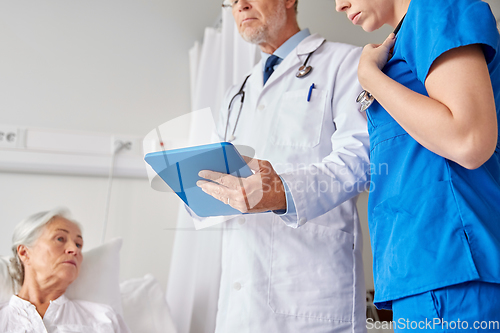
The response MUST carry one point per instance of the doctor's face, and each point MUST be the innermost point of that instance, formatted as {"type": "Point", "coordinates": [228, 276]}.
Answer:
{"type": "Point", "coordinates": [260, 21]}
{"type": "Point", "coordinates": [369, 14]}
{"type": "Point", "coordinates": [57, 253]}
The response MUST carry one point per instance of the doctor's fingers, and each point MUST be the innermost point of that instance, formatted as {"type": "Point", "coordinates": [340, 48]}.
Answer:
{"type": "Point", "coordinates": [257, 165]}
{"type": "Point", "coordinates": [217, 191]}
{"type": "Point", "coordinates": [236, 198]}
{"type": "Point", "coordinates": [252, 163]}
{"type": "Point", "coordinates": [224, 179]}
{"type": "Point", "coordinates": [244, 186]}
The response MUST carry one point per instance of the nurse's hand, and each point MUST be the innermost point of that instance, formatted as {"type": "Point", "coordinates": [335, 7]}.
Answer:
{"type": "Point", "coordinates": [260, 192]}
{"type": "Point", "coordinates": [373, 58]}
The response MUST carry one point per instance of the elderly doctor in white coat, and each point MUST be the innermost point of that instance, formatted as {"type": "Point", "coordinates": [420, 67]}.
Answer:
{"type": "Point", "coordinates": [299, 267]}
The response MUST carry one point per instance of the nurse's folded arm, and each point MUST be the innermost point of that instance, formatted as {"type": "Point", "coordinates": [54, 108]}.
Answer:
{"type": "Point", "coordinates": [457, 120]}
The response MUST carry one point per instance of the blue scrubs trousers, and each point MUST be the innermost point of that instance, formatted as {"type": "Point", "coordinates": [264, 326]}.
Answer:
{"type": "Point", "coordinates": [467, 307]}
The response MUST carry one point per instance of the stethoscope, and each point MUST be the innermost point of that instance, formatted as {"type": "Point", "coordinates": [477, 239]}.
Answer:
{"type": "Point", "coordinates": [365, 98]}
{"type": "Point", "coordinates": [303, 71]}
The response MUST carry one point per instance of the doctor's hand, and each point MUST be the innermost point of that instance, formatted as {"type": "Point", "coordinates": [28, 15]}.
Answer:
{"type": "Point", "coordinates": [373, 58]}
{"type": "Point", "coordinates": [260, 192]}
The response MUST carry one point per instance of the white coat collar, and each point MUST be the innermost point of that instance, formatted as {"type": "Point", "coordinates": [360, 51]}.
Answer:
{"type": "Point", "coordinates": [308, 45]}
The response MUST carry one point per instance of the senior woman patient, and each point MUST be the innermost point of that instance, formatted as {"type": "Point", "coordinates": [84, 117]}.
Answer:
{"type": "Point", "coordinates": [47, 257]}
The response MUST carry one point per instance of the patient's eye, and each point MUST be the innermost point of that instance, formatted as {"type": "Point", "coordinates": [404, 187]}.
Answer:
{"type": "Point", "coordinates": [60, 239]}
{"type": "Point", "coordinates": [78, 245]}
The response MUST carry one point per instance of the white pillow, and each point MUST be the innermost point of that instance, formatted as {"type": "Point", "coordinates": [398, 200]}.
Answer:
{"type": "Point", "coordinates": [98, 281]}
{"type": "Point", "coordinates": [6, 282]}
{"type": "Point", "coordinates": [99, 278]}
{"type": "Point", "coordinates": [145, 308]}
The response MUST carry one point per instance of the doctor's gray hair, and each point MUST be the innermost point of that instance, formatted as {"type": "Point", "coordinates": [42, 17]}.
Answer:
{"type": "Point", "coordinates": [27, 233]}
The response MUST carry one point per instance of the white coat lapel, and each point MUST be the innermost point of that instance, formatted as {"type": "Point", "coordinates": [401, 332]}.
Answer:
{"type": "Point", "coordinates": [258, 76]}
{"type": "Point", "coordinates": [295, 58]}
{"type": "Point", "coordinates": [291, 61]}
{"type": "Point", "coordinates": [309, 44]}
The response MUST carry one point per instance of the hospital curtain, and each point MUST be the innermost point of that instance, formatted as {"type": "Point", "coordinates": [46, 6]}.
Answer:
{"type": "Point", "coordinates": [222, 60]}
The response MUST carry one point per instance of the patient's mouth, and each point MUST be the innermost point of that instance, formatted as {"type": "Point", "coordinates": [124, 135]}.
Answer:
{"type": "Point", "coordinates": [71, 262]}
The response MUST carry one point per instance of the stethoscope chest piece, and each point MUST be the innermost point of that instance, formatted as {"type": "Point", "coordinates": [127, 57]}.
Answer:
{"type": "Point", "coordinates": [303, 71]}
{"type": "Point", "coordinates": [365, 99]}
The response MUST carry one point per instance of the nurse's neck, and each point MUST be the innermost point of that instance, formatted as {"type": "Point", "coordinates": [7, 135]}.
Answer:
{"type": "Point", "coordinates": [400, 9]}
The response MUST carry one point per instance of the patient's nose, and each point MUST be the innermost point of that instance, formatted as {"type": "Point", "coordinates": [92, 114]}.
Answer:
{"type": "Point", "coordinates": [72, 248]}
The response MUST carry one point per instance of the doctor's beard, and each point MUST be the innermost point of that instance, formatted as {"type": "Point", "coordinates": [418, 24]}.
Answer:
{"type": "Point", "coordinates": [264, 33]}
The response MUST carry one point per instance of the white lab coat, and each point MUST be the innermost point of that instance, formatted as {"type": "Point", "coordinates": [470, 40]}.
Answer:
{"type": "Point", "coordinates": [279, 278]}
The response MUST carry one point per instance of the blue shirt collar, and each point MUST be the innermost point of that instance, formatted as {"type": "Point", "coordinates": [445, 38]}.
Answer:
{"type": "Point", "coordinates": [284, 50]}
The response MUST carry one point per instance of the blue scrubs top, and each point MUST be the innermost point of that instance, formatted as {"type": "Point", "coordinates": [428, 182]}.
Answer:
{"type": "Point", "coordinates": [432, 222]}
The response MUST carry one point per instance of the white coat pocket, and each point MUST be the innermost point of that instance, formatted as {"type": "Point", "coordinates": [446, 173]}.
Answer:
{"type": "Point", "coordinates": [305, 282]}
{"type": "Point", "coordinates": [298, 122]}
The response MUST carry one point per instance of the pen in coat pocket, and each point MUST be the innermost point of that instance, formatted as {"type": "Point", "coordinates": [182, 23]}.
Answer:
{"type": "Point", "coordinates": [310, 92]}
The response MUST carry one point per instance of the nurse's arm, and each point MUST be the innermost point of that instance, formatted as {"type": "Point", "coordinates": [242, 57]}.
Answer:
{"type": "Point", "coordinates": [458, 119]}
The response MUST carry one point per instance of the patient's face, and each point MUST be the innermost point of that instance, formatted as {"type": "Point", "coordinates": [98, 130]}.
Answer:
{"type": "Point", "coordinates": [57, 254]}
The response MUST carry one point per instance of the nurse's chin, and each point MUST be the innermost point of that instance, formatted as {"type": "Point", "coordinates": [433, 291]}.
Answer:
{"type": "Point", "coordinates": [366, 26]}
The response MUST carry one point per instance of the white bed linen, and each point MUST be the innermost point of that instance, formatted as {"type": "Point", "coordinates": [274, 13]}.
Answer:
{"type": "Point", "coordinates": [145, 308]}
{"type": "Point", "coordinates": [62, 316]}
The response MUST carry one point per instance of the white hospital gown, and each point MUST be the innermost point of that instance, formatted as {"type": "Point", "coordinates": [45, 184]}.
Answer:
{"type": "Point", "coordinates": [62, 316]}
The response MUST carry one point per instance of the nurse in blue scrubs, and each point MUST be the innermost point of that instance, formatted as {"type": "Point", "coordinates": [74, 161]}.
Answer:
{"type": "Point", "coordinates": [434, 207]}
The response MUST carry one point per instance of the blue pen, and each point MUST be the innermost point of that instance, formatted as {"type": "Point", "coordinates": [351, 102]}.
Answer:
{"type": "Point", "coordinates": [310, 92]}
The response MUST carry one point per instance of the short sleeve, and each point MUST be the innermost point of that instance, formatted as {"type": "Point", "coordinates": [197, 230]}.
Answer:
{"type": "Point", "coordinates": [432, 28]}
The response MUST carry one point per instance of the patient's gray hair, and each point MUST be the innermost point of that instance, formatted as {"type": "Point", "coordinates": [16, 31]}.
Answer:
{"type": "Point", "coordinates": [27, 232]}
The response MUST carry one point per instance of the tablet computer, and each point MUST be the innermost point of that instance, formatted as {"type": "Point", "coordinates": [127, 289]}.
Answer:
{"type": "Point", "coordinates": [179, 168]}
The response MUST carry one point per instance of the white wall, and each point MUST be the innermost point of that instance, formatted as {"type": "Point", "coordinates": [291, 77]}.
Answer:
{"type": "Point", "coordinates": [120, 67]}
{"type": "Point", "coordinates": [109, 66]}
{"type": "Point", "coordinates": [138, 214]}
{"type": "Point", "coordinates": [112, 66]}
